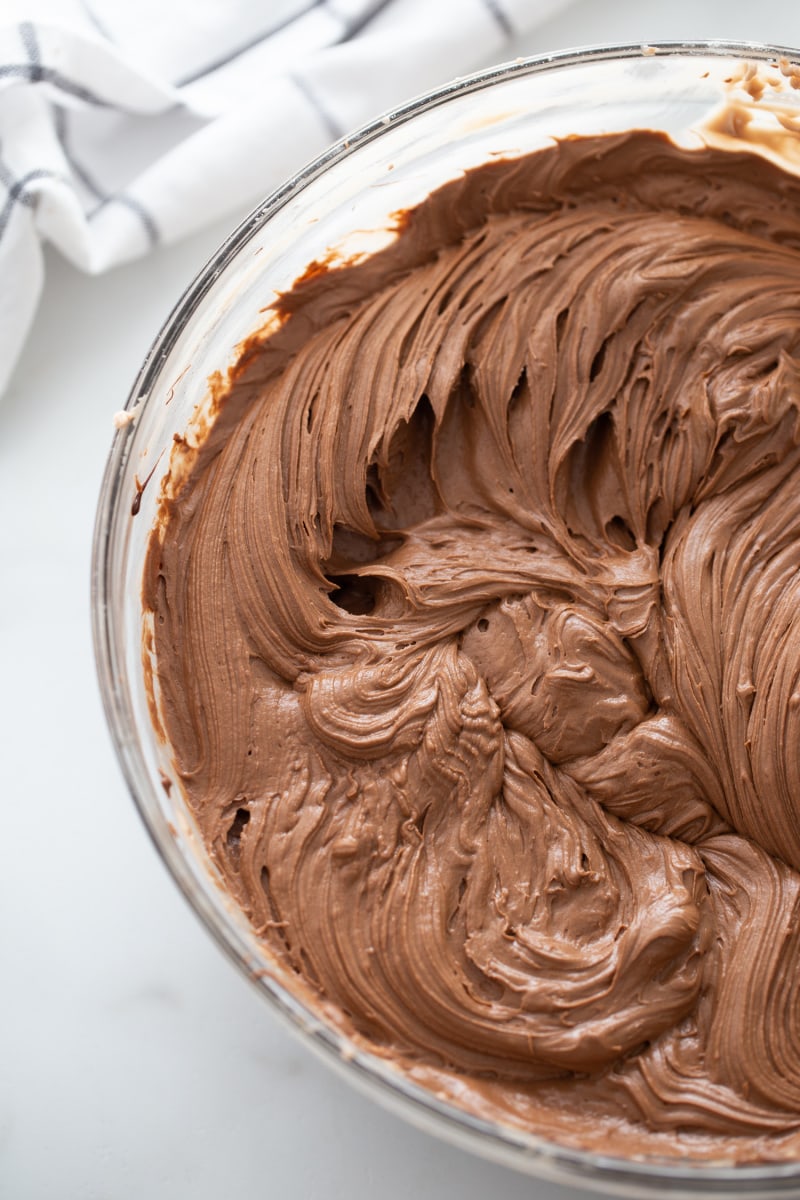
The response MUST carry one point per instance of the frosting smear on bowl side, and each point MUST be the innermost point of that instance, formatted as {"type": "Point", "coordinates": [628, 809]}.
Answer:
{"type": "Point", "coordinates": [477, 640]}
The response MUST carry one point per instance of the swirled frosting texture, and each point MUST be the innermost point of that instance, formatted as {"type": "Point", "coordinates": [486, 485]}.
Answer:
{"type": "Point", "coordinates": [477, 624]}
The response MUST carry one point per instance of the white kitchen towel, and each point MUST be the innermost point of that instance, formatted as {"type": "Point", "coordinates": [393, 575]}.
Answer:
{"type": "Point", "coordinates": [127, 125]}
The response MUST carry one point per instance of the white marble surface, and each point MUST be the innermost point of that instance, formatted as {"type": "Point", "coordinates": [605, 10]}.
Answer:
{"type": "Point", "coordinates": [134, 1060]}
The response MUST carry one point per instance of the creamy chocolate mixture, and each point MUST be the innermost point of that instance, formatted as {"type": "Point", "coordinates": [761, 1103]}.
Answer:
{"type": "Point", "coordinates": [477, 626]}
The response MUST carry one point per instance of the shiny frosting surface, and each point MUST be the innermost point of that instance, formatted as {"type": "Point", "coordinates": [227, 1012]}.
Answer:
{"type": "Point", "coordinates": [477, 632]}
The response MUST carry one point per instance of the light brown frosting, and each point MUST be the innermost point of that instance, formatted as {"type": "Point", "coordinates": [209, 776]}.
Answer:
{"type": "Point", "coordinates": [477, 625]}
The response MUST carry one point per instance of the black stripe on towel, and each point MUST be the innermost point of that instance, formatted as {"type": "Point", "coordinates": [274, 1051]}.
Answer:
{"type": "Point", "coordinates": [325, 116]}
{"type": "Point", "coordinates": [500, 16]}
{"type": "Point", "coordinates": [18, 193]}
{"type": "Point", "coordinates": [355, 26]}
{"type": "Point", "coordinates": [130, 202]}
{"type": "Point", "coordinates": [217, 63]}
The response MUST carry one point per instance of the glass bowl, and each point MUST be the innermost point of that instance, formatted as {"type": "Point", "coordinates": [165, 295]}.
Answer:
{"type": "Point", "coordinates": [340, 205]}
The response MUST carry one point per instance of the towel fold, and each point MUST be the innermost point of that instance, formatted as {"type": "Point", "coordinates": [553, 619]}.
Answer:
{"type": "Point", "coordinates": [123, 127]}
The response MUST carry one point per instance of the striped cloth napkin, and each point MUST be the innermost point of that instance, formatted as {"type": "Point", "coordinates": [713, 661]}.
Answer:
{"type": "Point", "coordinates": [128, 125]}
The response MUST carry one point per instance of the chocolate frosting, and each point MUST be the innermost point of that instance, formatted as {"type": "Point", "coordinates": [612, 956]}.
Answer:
{"type": "Point", "coordinates": [477, 633]}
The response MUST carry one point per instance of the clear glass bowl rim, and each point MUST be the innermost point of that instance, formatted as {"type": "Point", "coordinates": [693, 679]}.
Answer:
{"type": "Point", "coordinates": [498, 1142]}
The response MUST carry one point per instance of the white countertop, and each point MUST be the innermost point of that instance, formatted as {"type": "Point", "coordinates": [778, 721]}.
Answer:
{"type": "Point", "coordinates": [134, 1060]}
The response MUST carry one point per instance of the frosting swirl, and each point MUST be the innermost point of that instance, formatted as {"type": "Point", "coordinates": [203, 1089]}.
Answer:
{"type": "Point", "coordinates": [477, 625]}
